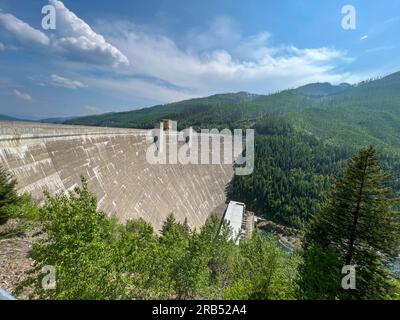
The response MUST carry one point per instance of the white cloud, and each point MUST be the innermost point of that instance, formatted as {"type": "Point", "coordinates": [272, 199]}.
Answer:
{"type": "Point", "coordinates": [22, 32]}
{"type": "Point", "coordinates": [365, 37]}
{"type": "Point", "coordinates": [76, 40]}
{"type": "Point", "coordinates": [250, 63]}
{"type": "Point", "coordinates": [2, 47]}
{"type": "Point", "coordinates": [160, 69]}
{"type": "Point", "coordinates": [73, 38]}
{"type": "Point", "coordinates": [222, 32]}
{"type": "Point", "coordinates": [65, 82]}
{"type": "Point", "coordinates": [22, 95]}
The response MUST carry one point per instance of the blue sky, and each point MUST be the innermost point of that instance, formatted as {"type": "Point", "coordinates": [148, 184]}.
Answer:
{"type": "Point", "coordinates": [120, 55]}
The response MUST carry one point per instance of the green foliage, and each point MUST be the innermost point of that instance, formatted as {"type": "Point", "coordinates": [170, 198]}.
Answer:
{"type": "Point", "coordinates": [200, 272]}
{"type": "Point", "coordinates": [200, 113]}
{"type": "Point", "coordinates": [356, 226]}
{"type": "Point", "coordinates": [292, 174]}
{"type": "Point", "coordinates": [320, 273]}
{"type": "Point", "coordinates": [14, 206]}
{"type": "Point", "coordinates": [96, 258]}
{"type": "Point", "coordinates": [396, 285]}
{"type": "Point", "coordinates": [263, 271]}
{"type": "Point", "coordinates": [8, 195]}
{"type": "Point", "coordinates": [82, 245]}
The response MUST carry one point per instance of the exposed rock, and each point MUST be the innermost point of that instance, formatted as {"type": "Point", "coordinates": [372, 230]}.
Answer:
{"type": "Point", "coordinates": [14, 259]}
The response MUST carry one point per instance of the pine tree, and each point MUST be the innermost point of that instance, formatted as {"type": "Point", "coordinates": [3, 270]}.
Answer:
{"type": "Point", "coordinates": [8, 193]}
{"type": "Point", "coordinates": [357, 226]}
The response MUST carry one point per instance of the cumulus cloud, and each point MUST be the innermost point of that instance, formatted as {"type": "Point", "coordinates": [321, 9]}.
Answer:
{"type": "Point", "coordinates": [230, 61]}
{"type": "Point", "coordinates": [22, 32]}
{"type": "Point", "coordinates": [160, 68]}
{"type": "Point", "coordinates": [22, 95]}
{"type": "Point", "coordinates": [65, 82]}
{"type": "Point", "coordinates": [73, 38]}
{"type": "Point", "coordinates": [76, 40]}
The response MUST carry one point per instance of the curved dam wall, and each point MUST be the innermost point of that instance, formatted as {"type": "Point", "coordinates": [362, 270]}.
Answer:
{"type": "Point", "coordinates": [53, 157]}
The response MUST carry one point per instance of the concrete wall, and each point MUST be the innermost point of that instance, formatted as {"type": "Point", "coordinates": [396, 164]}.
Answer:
{"type": "Point", "coordinates": [53, 157]}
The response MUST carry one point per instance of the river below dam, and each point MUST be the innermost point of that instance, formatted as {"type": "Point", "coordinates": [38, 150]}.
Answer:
{"type": "Point", "coordinates": [285, 248]}
{"type": "Point", "coordinates": [393, 266]}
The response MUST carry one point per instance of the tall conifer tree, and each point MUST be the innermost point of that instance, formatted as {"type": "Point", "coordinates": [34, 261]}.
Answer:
{"type": "Point", "coordinates": [357, 226]}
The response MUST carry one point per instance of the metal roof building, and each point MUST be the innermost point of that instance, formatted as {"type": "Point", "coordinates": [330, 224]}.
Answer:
{"type": "Point", "coordinates": [234, 214]}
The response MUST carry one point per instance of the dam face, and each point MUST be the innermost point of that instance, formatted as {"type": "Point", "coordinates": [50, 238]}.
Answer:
{"type": "Point", "coordinates": [53, 157]}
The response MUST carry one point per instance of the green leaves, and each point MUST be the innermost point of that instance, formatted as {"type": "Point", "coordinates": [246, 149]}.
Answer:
{"type": "Point", "coordinates": [8, 194]}
{"type": "Point", "coordinates": [95, 257]}
{"type": "Point", "coordinates": [81, 244]}
{"type": "Point", "coordinates": [263, 271]}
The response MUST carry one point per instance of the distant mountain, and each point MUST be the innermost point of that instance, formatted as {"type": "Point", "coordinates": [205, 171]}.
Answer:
{"type": "Point", "coordinates": [58, 120]}
{"type": "Point", "coordinates": [189, 112]}
{"type": "Point", "coordinates": [366, 113]}
{"type": "Point", "coordinates": [322, 89]}
{"type": "Point", "coordinates": [7, 118]}
{"type": "Point", "coordinates": [217, 110]}
{"type": "Point", "coordinates": [12, 117]}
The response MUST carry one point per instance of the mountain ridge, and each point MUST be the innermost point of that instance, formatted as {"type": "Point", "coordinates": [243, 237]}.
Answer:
{"type": "Point", "coordinates": [347, 114]}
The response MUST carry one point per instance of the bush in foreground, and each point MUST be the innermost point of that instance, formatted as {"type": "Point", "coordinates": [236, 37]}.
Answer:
{"type": "Point", "coordinates": [94, 257]}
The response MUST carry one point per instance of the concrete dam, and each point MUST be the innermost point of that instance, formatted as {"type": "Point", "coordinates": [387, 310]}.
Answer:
{"type": "Point", "coordinates": [113, 160]}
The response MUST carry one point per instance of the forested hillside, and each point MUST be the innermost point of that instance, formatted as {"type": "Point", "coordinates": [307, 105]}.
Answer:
{"type": "Point", "coordinates": [354, 114]}
{"type": "Point", "coordinates": [214, 110]}
{"type": "Point", "coordinates": [292, 174]}
{"type": "Point", "coordinates": [294, 171]}
{"type": "Point", "coordinates": [304, 137]}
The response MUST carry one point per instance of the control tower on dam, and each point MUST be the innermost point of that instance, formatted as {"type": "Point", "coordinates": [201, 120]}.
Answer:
{"type": "Point", "coordinates": [113, 160]}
